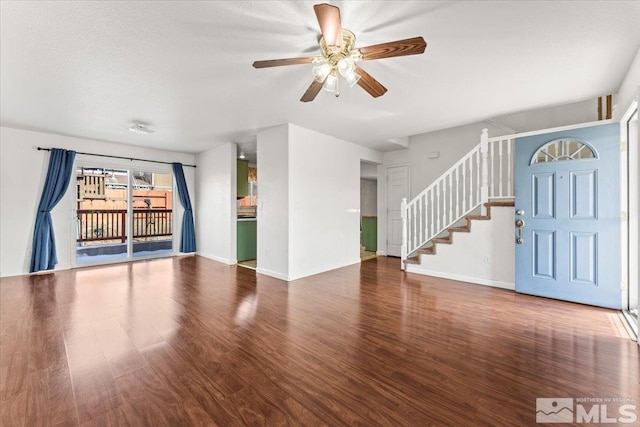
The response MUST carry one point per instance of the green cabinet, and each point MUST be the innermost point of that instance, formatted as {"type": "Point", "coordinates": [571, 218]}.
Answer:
{"type": "Point", "coordinates": [243, 178]}
{"type": "Point", "coordinates": [369, 237]}
{"type": "Point", "coordinates": [247, 233]}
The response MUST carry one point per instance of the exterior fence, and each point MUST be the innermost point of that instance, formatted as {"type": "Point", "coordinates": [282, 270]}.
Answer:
{"type": "Point", "coordinates": [111, 224]}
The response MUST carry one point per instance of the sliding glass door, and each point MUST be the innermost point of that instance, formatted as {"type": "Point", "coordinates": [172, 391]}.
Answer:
{"type": "Point", "coordinates": [122, 214]}
{"type": "Point", "coordinates": [152, 214]}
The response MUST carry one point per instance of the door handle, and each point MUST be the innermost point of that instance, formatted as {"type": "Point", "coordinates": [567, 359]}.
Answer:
{"type": "Point", "coordinates": [520, 225]}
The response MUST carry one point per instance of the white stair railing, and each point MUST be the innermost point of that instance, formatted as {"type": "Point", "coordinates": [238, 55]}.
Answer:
{"type": "Point", "coordinates": [485, 172]}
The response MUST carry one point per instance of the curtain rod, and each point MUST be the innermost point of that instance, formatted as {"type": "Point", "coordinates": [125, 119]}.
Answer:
{"type": "Point", "coordinates": [118, 157]}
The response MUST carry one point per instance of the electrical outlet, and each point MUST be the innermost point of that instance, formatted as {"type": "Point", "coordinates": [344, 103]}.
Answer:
{"type": "Point", "coordinates": [487, 259]}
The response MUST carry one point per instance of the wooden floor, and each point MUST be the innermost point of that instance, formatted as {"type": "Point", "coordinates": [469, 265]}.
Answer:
{"type": "Point", "coordinates": [188, 341]}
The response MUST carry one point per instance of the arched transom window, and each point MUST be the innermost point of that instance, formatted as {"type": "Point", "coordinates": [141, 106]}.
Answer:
{"type": "Point", "coordinates": [563, 149]}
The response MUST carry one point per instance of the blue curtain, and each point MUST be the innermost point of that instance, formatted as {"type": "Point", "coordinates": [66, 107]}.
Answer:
{"type": "Point", "coordinates": [43, 249]}
{"type": "Point", "coordinates": [188, 238]}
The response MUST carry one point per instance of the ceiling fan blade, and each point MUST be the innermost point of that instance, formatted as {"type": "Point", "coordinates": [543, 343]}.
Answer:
{"type": "Point", "coordinates": [404, 47]}
{"type": "Point", "coordinates": [370, 84]}
{"type": "Point", "coordinates": [312, 91]}
{"type": "Point", "coordinates": [281, 62]}
{"type": "Point", "coordinates": [330, 24]}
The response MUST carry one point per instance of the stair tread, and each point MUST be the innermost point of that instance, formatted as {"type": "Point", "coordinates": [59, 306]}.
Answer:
{"type": "Point", "coordinates": [443, 240]}
{"type": "Point", "coordinates": [479, 217]}
{"type": "Point", "coordinates": [448, 240]}
{"type": "Point", "coordinates": [510, 203]}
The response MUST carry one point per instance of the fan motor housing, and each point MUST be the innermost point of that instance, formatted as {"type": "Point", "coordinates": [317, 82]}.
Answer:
{"type": "Point", "coordinates": [348, 42]}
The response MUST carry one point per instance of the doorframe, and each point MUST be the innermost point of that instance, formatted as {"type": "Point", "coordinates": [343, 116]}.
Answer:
{"type": "Point", "coordinates": [383, 210]}
{"type": "Point", "coordinates": [176, 227]}
{"type": "Point", "coordinates": [378, 166]}
{"type": "Point", "coordinates": [629, 168]}
{"type": "Point", "coordinates": [624, 189]}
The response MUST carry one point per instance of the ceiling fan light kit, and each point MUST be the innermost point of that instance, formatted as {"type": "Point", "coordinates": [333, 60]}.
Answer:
{"type": "Point", "coordinates": [339, 57]}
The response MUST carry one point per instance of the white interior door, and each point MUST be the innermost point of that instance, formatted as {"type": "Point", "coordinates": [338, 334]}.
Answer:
{"type": "Point", "coordinates": [397, 189]}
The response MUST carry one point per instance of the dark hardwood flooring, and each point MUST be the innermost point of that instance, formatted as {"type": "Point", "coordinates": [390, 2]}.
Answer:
{"type": "Point", "coordinates": [188, 341]}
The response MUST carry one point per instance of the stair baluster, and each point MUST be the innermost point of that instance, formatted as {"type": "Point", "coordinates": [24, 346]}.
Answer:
{"type": "Point", "coordinates": [467, 185]}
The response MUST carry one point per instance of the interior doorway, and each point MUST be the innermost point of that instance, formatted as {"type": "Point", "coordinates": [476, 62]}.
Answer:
{"type": "Point", "coordinates": [368, 210]}
{"type": "Point", "coordinates": [247, 204]}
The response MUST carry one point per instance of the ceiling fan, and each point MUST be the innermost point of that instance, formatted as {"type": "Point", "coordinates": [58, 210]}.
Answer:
{"type": "Point", "coordinates": [339, 57]}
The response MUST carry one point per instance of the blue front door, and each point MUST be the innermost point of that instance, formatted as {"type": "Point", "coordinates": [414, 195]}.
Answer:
{"type": "Point", "coordinates": [567, 195]}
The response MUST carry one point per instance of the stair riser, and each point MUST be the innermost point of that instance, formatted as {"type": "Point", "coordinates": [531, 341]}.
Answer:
{"type": "Point", "coordinates": [463, 229]}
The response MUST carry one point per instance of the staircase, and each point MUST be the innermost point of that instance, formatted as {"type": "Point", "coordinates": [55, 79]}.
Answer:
{"type": "Point", "coordinates": [448, 238]}
{"type": "Point", "coordinates": [479, 180]}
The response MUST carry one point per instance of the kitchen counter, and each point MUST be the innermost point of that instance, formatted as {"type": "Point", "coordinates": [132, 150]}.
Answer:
{"type": "Point", "coordinates": [247, 219]}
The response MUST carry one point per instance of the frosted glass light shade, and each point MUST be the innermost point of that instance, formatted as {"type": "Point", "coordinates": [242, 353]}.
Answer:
{"type": "Point", "coordinates": [320, 72]}
{"type": "Point", "coordinates": [345, 66]}
{"type": "Point", "coordinates": [352, 78]}
{"type": "Point", "coordinates": [330, 83]}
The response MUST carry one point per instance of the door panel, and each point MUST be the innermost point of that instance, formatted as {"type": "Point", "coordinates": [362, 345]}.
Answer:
{"type": "Point", "coordinates": [101, 215]}
{"type": "Point", "coordinates": [584, 190]}
{"type": "Point", "coordinates": [570, 248]}
{"type": "Point", "coordinates": [543, 195]}
{"type": "Point", "coordinates": [583, 257]}
{"type": "Point", "coordinates": [543, 254]}
{"type": "Point", "coordinates": [397, 189]}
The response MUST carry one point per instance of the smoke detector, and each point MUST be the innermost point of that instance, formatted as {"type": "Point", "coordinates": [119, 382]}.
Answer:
{"type": "Point", "coordinates": [140, 127]}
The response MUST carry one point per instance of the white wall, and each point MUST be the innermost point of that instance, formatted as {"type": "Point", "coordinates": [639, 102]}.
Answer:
{"type": "Point", "coordinates": [628, 91]}
{"type": "Point", "coordinates": [216, 193]}
{"type": "Point", "coordinates": [22, 173]}
{"type": "Point", "coordinates": [309, 206]}
{"type": "Point", "coordinates": [368, 197]}
{"type": "Point", "coordinates": [324, 213]}
{"type": "Point", "coordinates": [485, 256]}
{"type": "Point", "coordinates": [273, 202]}
{"type": "Point", "coordinates": [368, 170]}
{"type": "Point", "coordinates": [450, 144]}
{"type": "Point", "coordinates": [551, 117]}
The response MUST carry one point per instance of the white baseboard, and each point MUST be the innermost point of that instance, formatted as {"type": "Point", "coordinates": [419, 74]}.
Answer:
{"type": "Point", "coordinates": [273, 274]}
{"type": "Point", "coordinates": [477, 280]}
{"type": "Point", "coordinates": [216, 258]}
{"type": "Point", "coordinates": [290, 278]}
{"type": "Point", "coordinates": [381, 253]}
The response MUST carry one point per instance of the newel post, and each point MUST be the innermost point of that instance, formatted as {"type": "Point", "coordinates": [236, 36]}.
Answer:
{"type": "Point", "coordinates": [403, 249]}
{"type": "Point", "coordinates": [484, 168]}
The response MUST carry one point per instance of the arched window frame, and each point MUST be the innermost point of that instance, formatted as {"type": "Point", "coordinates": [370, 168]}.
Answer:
{"type": "Point", "coordinates": [585, 145]}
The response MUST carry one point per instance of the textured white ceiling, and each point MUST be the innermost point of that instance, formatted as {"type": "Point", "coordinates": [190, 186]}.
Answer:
{"type": "Point", "coordinates": [89, 68]}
